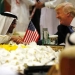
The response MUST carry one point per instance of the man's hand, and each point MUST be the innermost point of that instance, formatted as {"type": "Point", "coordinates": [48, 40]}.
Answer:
{"type": "Point", "coordinates": [39, 5]}
{"type": "Point", "coordinates": [18, 39]}
{"type": "Point", "coordinates": [17, 1]}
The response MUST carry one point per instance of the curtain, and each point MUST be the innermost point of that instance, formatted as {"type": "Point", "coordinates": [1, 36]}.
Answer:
{"type": "Point", "coordinates": [1, 6]}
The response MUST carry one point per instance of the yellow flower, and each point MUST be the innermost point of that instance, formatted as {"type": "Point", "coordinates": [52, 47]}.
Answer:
{"type": "Point", "coordinates": [23, 46]}
{"type": "Point", "coordinates": [9, 47]}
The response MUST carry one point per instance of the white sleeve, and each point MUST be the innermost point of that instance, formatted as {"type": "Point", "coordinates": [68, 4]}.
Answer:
{"type": "Point", "coordinates": [53, 3]}
{"type": "Point", "coordinates": [30, 2]}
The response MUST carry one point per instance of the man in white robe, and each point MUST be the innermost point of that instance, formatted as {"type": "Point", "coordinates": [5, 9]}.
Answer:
{"type": "Point", "coordinates": [21, 9]}
{"type": "Point", "coordinates": [7, 24]}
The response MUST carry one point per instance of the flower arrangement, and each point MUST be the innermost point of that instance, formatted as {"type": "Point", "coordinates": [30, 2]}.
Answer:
{"type": "Point", "coordinates": [9, 47]}
{"type": "Point", "coordinates": [20, 56]}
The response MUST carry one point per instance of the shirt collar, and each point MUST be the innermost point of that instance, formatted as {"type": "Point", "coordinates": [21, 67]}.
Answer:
{"type": "Point", "coordinates": [73, 22]}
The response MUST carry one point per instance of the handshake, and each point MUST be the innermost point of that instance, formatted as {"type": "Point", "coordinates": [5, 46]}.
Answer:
{"type": "Point", "coordinates": [39, 5]}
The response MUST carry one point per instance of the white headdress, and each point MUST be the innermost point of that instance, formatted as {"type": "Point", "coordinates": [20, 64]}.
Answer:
{"type": "Point", "coordinates": [6, 19]}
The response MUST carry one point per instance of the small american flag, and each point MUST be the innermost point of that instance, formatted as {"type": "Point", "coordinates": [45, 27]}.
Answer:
{"type": "Point", "coordinates": [31, 34]}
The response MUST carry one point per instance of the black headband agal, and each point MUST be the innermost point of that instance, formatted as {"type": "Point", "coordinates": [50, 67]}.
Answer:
{"type": "Point", "coordinates": [9, 14]}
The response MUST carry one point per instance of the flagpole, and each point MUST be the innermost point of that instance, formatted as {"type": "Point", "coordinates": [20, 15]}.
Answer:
{"type": "Point", "coordinates": [32, 14]}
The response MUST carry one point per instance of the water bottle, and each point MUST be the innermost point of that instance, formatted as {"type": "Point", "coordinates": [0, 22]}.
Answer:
{"type": "Point", "coordinates": [45, 36]}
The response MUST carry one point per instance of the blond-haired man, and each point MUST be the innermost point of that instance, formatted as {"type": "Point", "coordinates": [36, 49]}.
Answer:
{"type": "Point", "coordinates": [66, 15]}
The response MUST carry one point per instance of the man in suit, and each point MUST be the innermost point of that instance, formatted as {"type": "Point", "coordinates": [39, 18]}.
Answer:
{"type": "Point", "coordinates": [62, 32]}
{"type": "Point", "coordinates": [65, 12]}
{"type": "Point", "coordinates": [66, 15]}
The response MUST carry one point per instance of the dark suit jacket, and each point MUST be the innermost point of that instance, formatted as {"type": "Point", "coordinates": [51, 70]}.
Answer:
{"type": "Point", "coordinates": [62, 32]}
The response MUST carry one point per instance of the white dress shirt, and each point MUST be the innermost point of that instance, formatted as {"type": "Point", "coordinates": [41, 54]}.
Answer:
{"type": "Point", "coordinates": [73, 22]}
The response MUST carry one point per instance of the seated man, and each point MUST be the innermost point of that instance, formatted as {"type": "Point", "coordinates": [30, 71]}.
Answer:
{"type": "Point", "coordinates": [7, 24]}
{"type": "Point", "coordinates": [66, 15]}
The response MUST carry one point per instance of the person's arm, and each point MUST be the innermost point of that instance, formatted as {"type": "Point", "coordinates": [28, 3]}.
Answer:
{"type": "Point", "coordinates": [53, 4]}
{"type": "Point", "coordinates": [49, 4]}
{"type": "Point", "coordinates": [17, 39]}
